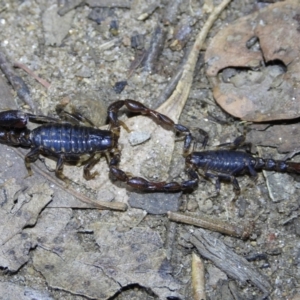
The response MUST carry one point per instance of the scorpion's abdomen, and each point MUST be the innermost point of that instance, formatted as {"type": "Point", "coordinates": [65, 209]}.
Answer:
{"type": "Point", "coordinates": [71, 139]}
{"type": "Point", "coordinates": [222, 161]}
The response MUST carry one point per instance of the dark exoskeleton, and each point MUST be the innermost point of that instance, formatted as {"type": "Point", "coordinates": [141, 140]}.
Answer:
{"type": "Point", "coordinates": [81, 145]}
{"type": "Point", "coordinates": [227, 164]}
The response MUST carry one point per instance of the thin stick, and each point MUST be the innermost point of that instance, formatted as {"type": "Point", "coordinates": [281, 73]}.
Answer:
{"type": "Point", "coordinates": [198, 278]}
{"type": "Point", "coordinates": [16, 81]}
{"type": "Point", "coordinates": [212, 224]}
{"type": "Point", "coordinates": [100, 204]}
{"type": "Point", "coordinates": [175, 103]}
{"type": "Point", "coordinates": [42, 81]}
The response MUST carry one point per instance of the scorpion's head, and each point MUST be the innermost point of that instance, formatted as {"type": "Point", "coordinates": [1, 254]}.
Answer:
{"type": "Point", "coordinates": [196, 159]}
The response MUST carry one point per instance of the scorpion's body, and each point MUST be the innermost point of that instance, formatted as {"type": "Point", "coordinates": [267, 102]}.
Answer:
{"type": "Point", "coordinates": [228, 164]}
{"type": "Point", "coordinates": [83, 145]}
{"type": "Point", "coordinates": [65, 142]}
{"type": "Point", "coordinates": [74, 142]}
{"type": "Point", "coordinates": [79, 144]}
{"type": "Point", "coordinates": [234, 162]}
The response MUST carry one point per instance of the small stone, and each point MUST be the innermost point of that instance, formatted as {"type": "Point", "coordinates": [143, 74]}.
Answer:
{"type": "Point", "coordinates": [84, 72]}
{"type": "Point", "coordinates": [207, 206]}
{"type": "Point", "coordinates": [56, 27]}
{"type": "Point", "coordinates": [137, 137]}
{"type": "Point", "coordinates": [119, 86]}
{"type": "Point", "coordinates": [155, 203]}
{"type": "Point", "coordinates": [105, 195]}
{"type": "Point", "coordinates": [215, 275]}
{"type": "Point", "coordinates": [192, 205]}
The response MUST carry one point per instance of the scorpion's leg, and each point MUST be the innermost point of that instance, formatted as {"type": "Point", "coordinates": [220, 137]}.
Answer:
{"type": "Point", "coordinates": [90, 164]}
{"type": "Point", "coordinates": [239, 142]}
{"type": "Point", "coordinates": [31, 157]}
{"type": "Point", "coordinates": [74, 118]}
{"type": "Point", "coordinates": [205, 134]}
{"type": "Point", "coordinates": [224, 177]}
{"type": "Point", "coordinates": [192, 182]}
{"type": "Point", "coordinates": [59, 169]}
{"type": "Point", "coordinates": [41, 119]}
{"type": "Point", "coordinates": [252, 172]}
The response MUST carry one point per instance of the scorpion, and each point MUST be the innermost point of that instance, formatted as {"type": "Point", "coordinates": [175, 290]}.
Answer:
{"type": "Point", "coordinates": [82, 145]}
{"type": "Point", "coordinates": [227, 164]}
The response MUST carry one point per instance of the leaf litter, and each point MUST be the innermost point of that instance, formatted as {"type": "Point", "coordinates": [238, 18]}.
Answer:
{"type": "Point", "coordinates": [59, 255]}
{"type": "Point", "coordinates": [253, 66]}
{"type": "Point", "coordinates": [262, 88]}
{"type": "Point", "coordinates": [136, 256]}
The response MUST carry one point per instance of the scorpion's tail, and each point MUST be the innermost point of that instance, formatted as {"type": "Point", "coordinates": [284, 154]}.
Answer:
{"type": "Point", "coordinates": [293, 167]}
{"type": "Point", "coordinates": [277, 165]}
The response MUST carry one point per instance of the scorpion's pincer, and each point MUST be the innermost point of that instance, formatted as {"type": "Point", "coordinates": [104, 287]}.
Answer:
{"type": "Point", "coordinates": [13, 119]}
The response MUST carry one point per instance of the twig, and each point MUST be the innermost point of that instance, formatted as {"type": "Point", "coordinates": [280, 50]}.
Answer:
{"type": "Point", "coordinates": [228, 261]}
{"type": "Point", "coordinates": [155, 49]}
{"type": "Point", "coordinates": [168, 90]}
{"type": "Point", "coordinates": [136, 63]}
{"type": "Point", "coordinates": [174, 104]}
{"type": "Point", "coordinates": [42, 81]}
{"type": "Point", "coordinates": [198, 278]}
{"type": "Point", "coordinates": [212, 224]}
{"type": "Point", "coordinates": [68, 6]}
{"type": "Point", "coordinates": [99, 204]}
{"type": "Point", "coordinates": [170, 238]}
{"type": "Point", "coordinates": [16, 81]}
{"type": "Point", "coordinates": [171, 12]}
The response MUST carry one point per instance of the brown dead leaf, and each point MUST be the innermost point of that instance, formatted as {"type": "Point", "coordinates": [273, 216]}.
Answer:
{"type": "Point", "coordinates": [254, 64]}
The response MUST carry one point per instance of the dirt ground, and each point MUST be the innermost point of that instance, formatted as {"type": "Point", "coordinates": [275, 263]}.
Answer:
{"type": "Point", "coordinates": [53, 246]}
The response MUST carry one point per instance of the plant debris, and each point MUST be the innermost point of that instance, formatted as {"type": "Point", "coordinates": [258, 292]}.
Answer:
{"type": "Point", "coordinates": [262, 50]}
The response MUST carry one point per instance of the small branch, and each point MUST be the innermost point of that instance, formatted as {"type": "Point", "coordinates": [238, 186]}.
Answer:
{"type": "Point", "coordinates": [228, 261]}
{"type": "Point", "coordinates": [198, 278]}
{"type": "Point", "coordinates": [16, 81]}
{"type": "Point", "coordinates": [43, 82]}
{"type": "Point", "coordinates": [174, 104]}
{"type": "Point", "coordinates": [212, 224]}
{"type": "Point", "coordinates": [99, 204]}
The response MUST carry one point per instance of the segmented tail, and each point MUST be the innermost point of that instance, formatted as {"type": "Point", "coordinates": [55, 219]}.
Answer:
{"type": "Point", "coordinates": [293, 167]}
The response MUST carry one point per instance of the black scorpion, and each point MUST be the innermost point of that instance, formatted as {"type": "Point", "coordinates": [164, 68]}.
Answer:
{"type": "Point", "coordinates": [226, 165]}
{"type": "Point", "coordinates": [81, 145]}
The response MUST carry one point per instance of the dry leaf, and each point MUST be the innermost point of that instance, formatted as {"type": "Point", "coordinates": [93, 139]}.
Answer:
{"type": "Point", "coordinates": [254, 65]}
